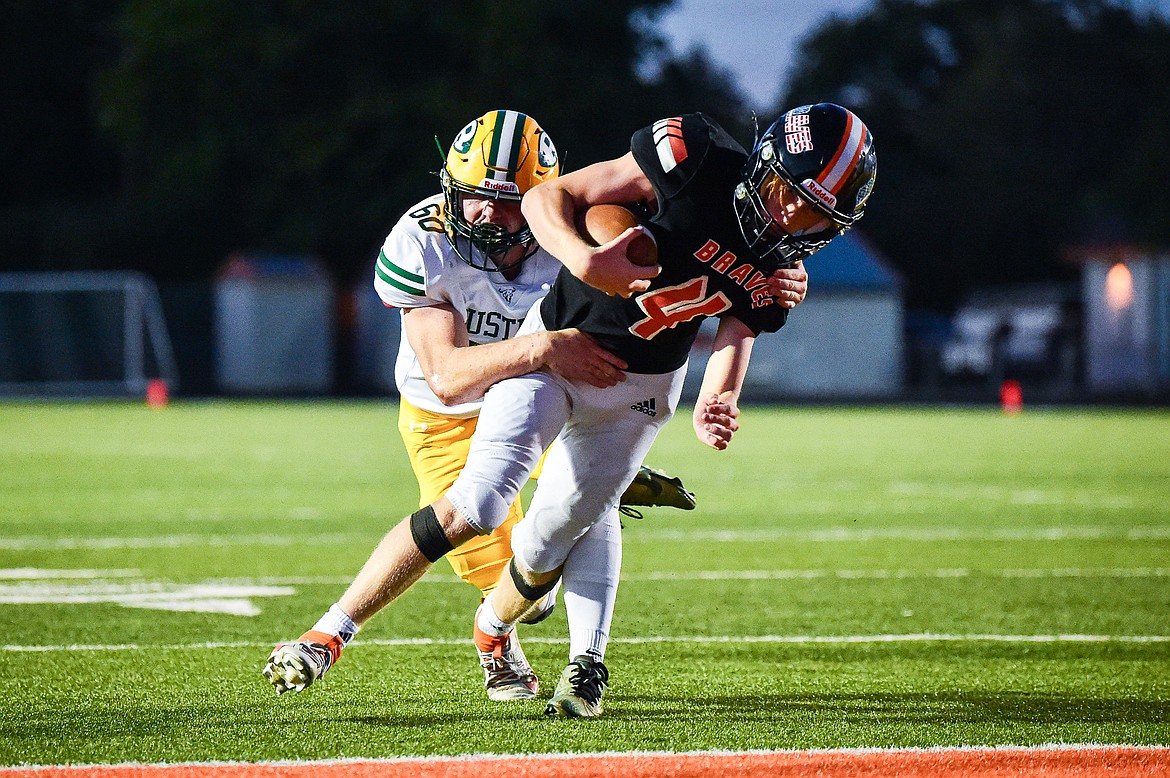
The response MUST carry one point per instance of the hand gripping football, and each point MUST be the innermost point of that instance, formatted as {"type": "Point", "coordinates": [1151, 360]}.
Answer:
{"type": "Point", "coordinates": [602, 223]}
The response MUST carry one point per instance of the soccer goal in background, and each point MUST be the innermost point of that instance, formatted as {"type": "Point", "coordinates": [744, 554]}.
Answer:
{"type": "Point", "coordinates": [83, 334]}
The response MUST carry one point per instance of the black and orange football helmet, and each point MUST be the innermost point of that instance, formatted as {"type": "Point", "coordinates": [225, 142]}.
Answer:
{"type": "Point", "coordinates": [825, 155]}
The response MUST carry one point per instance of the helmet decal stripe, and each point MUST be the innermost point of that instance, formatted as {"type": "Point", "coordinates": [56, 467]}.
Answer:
{"type": "Point", "coordinates": [505, 141]}
{"type": "Point", "coordinates": [845, 159]}
{"type": "Point", "coordinates": [668, 142]}
{"type": "Point", "coordinates": [500, 141]}
{"type": "Point", "coordinates": [517, 148]}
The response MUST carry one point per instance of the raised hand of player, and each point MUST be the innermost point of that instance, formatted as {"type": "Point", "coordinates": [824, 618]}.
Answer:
{"type": "Point", "coordinates": [576, 356]}
{"type": "Point", "coordinates": [789, 285]}
{"type": "Point", "coordinates": [715, 419]}
{"type": "Point", "coordinates": [610, 270]}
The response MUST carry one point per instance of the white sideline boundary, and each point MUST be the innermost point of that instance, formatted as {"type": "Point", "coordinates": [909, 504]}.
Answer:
{"type": "Point", "coordinates": [922, 637]}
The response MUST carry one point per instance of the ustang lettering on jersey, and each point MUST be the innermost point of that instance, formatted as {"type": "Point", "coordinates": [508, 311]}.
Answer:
{"type": "Point", "coordinates": [745, 273]}
{"type": "Point", "coordinates": [490, 325]}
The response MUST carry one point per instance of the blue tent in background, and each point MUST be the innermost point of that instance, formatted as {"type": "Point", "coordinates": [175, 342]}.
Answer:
{"type": "Point", "coordinates": [849, 262]}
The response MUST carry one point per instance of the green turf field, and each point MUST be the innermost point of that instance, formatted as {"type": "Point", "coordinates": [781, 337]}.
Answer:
{"type": "Point", "coordinates": [851, 578]}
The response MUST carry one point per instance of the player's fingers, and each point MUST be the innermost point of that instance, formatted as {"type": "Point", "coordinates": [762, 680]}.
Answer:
{"type": "Point", "coordinates": [598, 364]}
{"type": "Point", "coordinates": [728, 399]}
{"type": "Point", "coordinates": [595, 373]}
{"type": "Point", "coordinates": [716, 442]}
{"type": "Point", "coordinates": [787, 298]}
{"type": "Point", "coordinates": [793, 272]}
{"type": "Point", "coordinates": [610, 358]}
{"type": "Point", "coordinates": [788, 288]}
{"type": "Point", "coordinates": [718, 412]}
{"type": "Point", "coordinates": [717, 430]}
{"type": "Point", "coordinates": [716, 418]}
{"type": "Point", "coordinates": [601, 380]}
{"type": "Point", "coordinates": [608, 373]}
{"type": "Point", "coordinates": [712, 400]}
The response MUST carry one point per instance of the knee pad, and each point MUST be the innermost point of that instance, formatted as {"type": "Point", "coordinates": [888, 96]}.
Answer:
{"type": "Point", "coordinates": [428, 534]}
{"type": "Point", "coordinates": [527, 590]}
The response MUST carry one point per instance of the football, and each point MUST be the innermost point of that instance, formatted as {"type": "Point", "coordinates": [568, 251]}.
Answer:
{"type": "Point", "coordinates": [602, 223]}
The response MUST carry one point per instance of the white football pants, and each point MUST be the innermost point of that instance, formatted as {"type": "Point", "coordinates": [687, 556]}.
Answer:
{"type": "Point", "coordinates": [602, 436]}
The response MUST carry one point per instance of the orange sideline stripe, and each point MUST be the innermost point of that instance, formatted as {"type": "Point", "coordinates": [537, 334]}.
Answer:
{"type": "Point", "coordinates": [1047, 762]}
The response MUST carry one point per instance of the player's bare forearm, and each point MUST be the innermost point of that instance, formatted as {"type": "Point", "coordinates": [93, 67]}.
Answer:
{"type": "Point", "coordinates": [716, 414]}
{"type": "Point", "coordinates": [551, 210]}
{"type": "Point", "coordinates": [458, 372]}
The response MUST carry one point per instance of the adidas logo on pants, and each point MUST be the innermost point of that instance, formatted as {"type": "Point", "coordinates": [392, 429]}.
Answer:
{"type": "Point", "coordinates": [646, 407]}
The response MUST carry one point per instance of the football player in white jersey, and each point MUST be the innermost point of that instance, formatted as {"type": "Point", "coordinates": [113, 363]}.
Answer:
{"type": "Point", "coordinates": [464, 269]}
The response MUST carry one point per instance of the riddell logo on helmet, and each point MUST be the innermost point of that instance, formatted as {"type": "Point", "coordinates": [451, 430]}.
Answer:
{"type": "Point", "coordinates": [819, 192]}
{"type": "Point", "coordinates": [499, 186]}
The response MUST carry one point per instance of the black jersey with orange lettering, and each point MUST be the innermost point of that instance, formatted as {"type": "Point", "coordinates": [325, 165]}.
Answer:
{"type": "Point", "coordinates": [707, 268]}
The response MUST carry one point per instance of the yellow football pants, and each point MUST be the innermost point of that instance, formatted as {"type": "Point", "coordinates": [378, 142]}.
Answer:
{"type": "Point", "coordinates": [437, 446]}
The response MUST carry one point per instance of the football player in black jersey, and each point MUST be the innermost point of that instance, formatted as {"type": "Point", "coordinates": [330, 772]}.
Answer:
{"type": "Point", "coordinates": [723, 220]}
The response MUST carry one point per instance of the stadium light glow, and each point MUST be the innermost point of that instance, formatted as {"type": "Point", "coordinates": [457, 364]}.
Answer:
{"type": "Point", "coordinates": [1119, 288]}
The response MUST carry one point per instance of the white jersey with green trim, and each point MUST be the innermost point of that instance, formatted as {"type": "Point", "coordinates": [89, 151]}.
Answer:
{"type": "Point", "coordinates": [417, 267]}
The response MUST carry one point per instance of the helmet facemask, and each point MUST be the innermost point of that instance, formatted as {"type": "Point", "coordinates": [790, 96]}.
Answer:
{"type": "Point", "coordinates": [765, 235]}
{"type": "Point", "coordinates": [483, 246]}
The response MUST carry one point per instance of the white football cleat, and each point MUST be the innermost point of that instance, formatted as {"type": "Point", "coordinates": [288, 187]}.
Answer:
{"type": "Point", "coordinates": [507, 674]}
{"type": "Point", "coordinates": [293, 667]}
{"type": "Point", "coordinates": [579, 691]}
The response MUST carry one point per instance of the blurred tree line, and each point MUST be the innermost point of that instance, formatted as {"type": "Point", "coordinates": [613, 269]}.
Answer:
{"type": "Point", "coordinates": [1007, 131]}
{"type": "Point", "coordinates": [164, 134]}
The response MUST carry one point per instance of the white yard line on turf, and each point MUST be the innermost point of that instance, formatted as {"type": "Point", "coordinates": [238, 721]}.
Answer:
{"type": "Point", "coordinates": [772, 575]}
{"type": "Point", "coordinates": [846, 535]}
{"type": "Point", "coordinates": [640, 534]}
{"type": "Point", "coordinates": [37, 573]}
{"type": "Point", "coordinates": [35, 581]}
{"type": "Point", "coordinates": [924, 637]}
{"type": "Point", "coordinates": [41, 543]}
